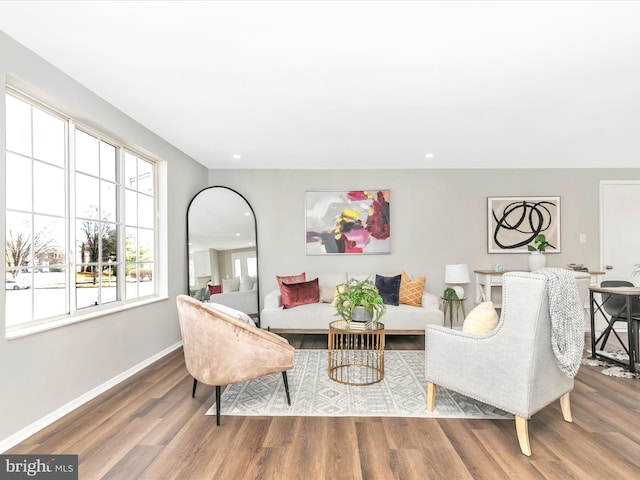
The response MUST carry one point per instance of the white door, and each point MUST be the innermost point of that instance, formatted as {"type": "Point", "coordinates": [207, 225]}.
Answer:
{"type": "Point", "coordinates": [620, 230]}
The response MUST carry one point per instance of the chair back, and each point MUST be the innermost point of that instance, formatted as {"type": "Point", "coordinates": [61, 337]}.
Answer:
{"type": "Point", "coordinates": [613, 303]}
{"type": "Point", "coordinates": [221, 350]}
{"type": "Point", "coordinates": [532, 376]}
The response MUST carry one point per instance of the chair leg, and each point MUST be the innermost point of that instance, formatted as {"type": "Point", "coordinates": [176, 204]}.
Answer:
{"type": "Point", "coordinates": [195, 384]}
{"type": "Point", "coordinates": [218, 405]}
{"type": "Point", "coordinates": [286, 387]}
{"type": "Point", "coordinates": [565, 405]}
{"type": "Point", "coordinates": [431, 396]}
{"type": "Point", "coordinates": [522, 429]}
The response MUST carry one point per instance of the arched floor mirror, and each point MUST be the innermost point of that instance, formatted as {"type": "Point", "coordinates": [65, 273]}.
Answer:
{"type": "Point", "coordinates": [223, 250]}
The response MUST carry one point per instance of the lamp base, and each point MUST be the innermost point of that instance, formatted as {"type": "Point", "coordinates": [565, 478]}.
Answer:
{"type": "Point", "coordinates": [459, 291]}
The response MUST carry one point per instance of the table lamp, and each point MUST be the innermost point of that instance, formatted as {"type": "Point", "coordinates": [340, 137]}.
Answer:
{"type": "Point", "coordinates": [455, 275]}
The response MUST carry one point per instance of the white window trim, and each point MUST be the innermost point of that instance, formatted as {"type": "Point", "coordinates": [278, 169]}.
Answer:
{"type": "Point", "coordinates": [160, 229]}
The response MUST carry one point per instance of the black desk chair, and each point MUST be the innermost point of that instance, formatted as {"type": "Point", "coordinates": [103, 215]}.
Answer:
{"type": "Point", "coordinates": [615, 307]}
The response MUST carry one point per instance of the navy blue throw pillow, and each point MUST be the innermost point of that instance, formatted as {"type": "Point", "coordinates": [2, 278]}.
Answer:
{"type": "Point", "coordinates": [389, 288]}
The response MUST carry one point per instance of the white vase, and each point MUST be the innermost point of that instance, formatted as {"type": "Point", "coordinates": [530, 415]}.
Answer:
{"type": "Point", "coordinates": [536, 261]}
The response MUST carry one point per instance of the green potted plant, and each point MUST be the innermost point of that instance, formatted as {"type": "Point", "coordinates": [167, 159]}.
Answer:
{"type": "Point", "coordinates": [537, 249]}
{"type": "Point", "coordinates": [358, 295]}
{"type": "Point", "coordinates": [540, 244]}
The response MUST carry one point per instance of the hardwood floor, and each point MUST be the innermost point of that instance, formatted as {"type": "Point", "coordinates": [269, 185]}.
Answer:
{"type": "Point", "coordinates": [149, 427]}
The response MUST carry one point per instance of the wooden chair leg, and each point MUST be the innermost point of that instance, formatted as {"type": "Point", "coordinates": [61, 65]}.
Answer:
{"type": "Point", "coordinates": [218, 405]}
{"type": "Point", "coordinates": [565, 405]}
{"type": "Point", "coordinates": [286, 387]}
{"type": "Point", "coordinates": [195, 384]}
{"type": "Point", "coordinates": [431, 396]}
{"type": "Point", "coordinates": [522, 429]}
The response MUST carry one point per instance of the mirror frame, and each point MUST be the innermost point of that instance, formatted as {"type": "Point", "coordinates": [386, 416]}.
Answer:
{"type": "Point", "coordinates": [255, 227]}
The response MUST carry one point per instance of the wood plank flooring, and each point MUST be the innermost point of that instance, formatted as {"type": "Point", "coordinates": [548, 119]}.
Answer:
{"type": "Point", "coordinates": [149, 427]}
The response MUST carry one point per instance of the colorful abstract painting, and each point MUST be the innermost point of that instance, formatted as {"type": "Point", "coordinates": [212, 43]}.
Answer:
{"type": "Point", "coordinates": [354, 222]}
{"type": "Point", "coordinates": [513, 223]}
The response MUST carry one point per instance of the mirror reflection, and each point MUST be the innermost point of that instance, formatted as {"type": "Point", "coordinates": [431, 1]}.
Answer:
{"type": "Point", "coordinates": [223, 260]}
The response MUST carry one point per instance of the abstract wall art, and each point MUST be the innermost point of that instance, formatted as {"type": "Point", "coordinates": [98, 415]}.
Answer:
{"type": "Point", "coordinates": [513, 223]}
{"type": "Point", "coordinates": [348, 222]}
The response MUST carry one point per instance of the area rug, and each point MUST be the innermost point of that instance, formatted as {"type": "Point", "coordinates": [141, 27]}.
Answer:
{"type": "Point", "coordinates": [612, 369]}
{"type": "Point", "coordinates": [402, 393]}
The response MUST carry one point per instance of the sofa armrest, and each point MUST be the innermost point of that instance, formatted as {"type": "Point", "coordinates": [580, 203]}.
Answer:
{"type": "Point", "coordinates": [430, 301]}
{"type": "Point", "coordinates": [273, 299]}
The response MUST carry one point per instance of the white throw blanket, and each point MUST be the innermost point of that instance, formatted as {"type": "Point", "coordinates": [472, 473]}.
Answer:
{"type": "Point", "coordinates": [567, 319]}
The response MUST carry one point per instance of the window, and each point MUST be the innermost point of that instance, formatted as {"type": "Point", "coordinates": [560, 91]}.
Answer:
{"type": "Point", "coordinates": [245, 264]}
{"type": "Point", "coordinates": [80, 218]}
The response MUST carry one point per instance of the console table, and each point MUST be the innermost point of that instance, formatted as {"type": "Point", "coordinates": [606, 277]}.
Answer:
{"type": "Point", "coordinates": [487, 280]}
{"type": "Point", "coordinates": [632, 325]}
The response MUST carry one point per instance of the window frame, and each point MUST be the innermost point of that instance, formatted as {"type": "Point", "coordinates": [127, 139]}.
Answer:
{"type": "Point", "coordinates": [75, 313]}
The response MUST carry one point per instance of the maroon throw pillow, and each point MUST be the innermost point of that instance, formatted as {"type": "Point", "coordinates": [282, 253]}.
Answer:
{"type": "Point", "coordinates": [301, 293]}
{"type": "Point", "coordinates": [291, 278]}
{"type": "Point", "coordinates": [213, 289]}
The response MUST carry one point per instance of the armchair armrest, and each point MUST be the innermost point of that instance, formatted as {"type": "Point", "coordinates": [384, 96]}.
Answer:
{"type": "Point", "coordinates": [476, 364]}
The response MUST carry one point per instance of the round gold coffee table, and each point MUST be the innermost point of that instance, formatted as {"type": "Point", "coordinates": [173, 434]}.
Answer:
{"type": "Point", "coordinates": [355, 356]}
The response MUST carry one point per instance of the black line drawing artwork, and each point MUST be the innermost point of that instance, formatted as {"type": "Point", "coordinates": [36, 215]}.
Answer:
{"type": "Point", "coordinates": [515, 222]}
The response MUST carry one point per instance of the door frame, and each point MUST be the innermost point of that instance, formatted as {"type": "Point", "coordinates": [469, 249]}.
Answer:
{"type": "Point", "coordinates": [601, 218]}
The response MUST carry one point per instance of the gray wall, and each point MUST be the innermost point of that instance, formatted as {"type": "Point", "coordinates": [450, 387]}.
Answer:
{"type": "Point", "coordinates": [437, 217]}
{"type": "Point", "coordinates": [41, 373]}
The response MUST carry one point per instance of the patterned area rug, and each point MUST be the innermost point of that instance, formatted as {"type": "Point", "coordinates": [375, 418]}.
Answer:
{"type": "Point", "coordinates": [612, 369]}
{"type": "Point", "coordinates": [402, 393]}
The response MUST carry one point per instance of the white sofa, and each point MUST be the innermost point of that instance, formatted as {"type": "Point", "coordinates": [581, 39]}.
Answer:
{"type": "Point", "coordinates": [315, 317]}
{"type": "Point", "coordinates": [246, 301]}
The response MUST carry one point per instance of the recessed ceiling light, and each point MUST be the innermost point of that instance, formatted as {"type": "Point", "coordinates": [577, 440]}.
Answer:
{"type": "Point", "coordinates": [429, 155]}
{"type": "Point", "coordinates": [237, 234]}
{"type": "Point", "coordinates": [237, 156]}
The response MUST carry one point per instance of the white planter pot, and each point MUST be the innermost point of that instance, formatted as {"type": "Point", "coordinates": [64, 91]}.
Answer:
{"type": "Point", "coordinates": [360, 315]}
{"type": "Point", "coordinates": [536, 261]}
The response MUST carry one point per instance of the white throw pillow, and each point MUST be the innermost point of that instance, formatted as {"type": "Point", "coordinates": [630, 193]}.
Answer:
{"type": "Point", "coordinates": [327, 293]}
{"type": "Point", "coordinates": [232, 312]}
{"type": "Point", "coordinates": [246, 283]}
{"type": "Point", "coordinates": [481, 320]}
{"type": "Point", "coordinates": [230, 285]}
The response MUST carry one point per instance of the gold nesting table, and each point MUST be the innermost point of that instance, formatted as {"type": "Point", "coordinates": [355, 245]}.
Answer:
{"type": "Point", "coordinates": [355, 355]}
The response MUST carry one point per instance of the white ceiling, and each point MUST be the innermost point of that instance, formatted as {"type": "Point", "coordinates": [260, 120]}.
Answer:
{"type": "Point", "coordinates": [342, 84]}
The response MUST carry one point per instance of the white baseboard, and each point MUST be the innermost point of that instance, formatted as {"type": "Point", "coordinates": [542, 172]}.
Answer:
{"type": "Point", "coordinates": [47, 420]}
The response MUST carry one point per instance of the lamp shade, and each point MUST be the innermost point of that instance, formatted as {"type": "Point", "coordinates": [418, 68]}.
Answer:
{"type": "Point", "coordinates": [456, 273]}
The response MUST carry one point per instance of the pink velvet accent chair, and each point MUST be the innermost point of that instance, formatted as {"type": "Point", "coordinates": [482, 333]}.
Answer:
{"type": "Point", "coordinates": [221, 350]}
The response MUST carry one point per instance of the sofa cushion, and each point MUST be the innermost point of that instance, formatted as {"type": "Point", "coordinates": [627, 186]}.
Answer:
{"type": "Point", "coordinates": [230, 285]}
{"type": "Point", "coordinates": [246, 283]}
{"type": "Point", "coordinates": [411, 290]}
{"type": "Point", "coordinates": [481, 320]}
{"type": "Point", "coordinates": [300, 293]}
{"type": "Point", "coordinates": [327, 283]}
{"type": "Point", "coordinates": [319, 315]}
{"type": "Point", "coordinates": [389, 289]}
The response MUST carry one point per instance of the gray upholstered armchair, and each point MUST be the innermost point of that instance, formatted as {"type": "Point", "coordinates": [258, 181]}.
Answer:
{"type": "Point", "coordinates": [513, 367]}
{"type": "Point", "coordinates": [221, 350]}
